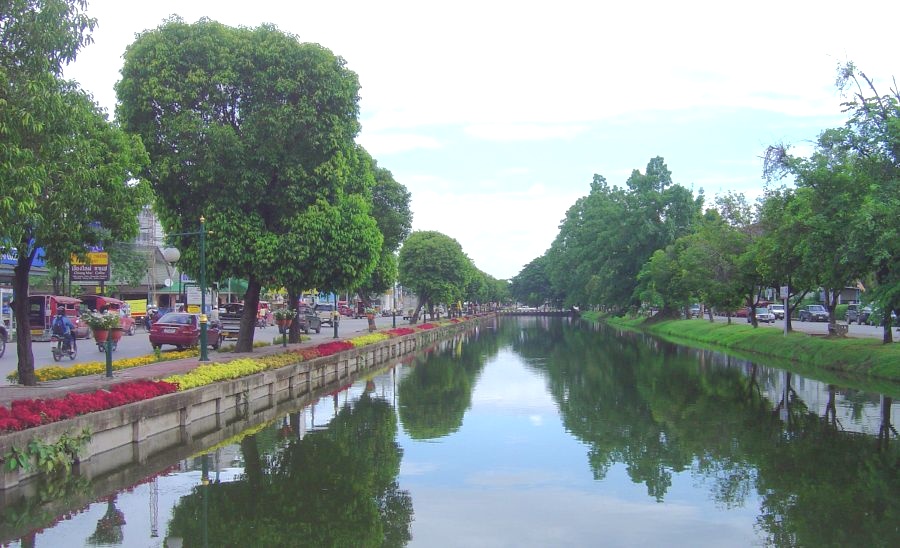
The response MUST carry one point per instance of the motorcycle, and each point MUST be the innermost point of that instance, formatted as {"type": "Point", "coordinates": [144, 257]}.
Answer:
{"type": "Point", "coordinates": [63, 348]}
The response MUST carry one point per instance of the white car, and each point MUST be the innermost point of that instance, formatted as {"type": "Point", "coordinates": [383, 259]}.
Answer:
{"type": "Point", "coordinates": [763, 315]}
{"type": "Point", "coordinates": [777, 310]}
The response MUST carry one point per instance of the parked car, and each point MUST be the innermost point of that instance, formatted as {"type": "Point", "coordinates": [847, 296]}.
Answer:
{"type": "Point", "coordinates": [695, 311]}
{"type": "Point", "coordinates": [813, 313]}
{"type": "Point", "coordinates": [777, 310]}
{"type": "Point", "coordinates": [763, 314]}
{"type": "Point", "coordinates": [853, 312]}
{"type": "Point", "coordinates": [864, 315]}
{"type": "Point", "coordinates": [874, 315]}
{"type": "Point", "coordinates": [325, 312]}
{"type": "Point", "coordinates": [182, 330]}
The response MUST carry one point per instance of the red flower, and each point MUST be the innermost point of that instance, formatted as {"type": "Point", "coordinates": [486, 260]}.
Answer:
{"type": "Point", "coordinates": [400, 331]}
{"type": "Point", "coordinates": [327, 349]}
{"type": "Point", "coordinates": [30, 413]}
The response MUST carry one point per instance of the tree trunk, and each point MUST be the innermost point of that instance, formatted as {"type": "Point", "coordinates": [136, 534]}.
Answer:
{"type": "Point", "coordinates": [831, 304]}
{"type": "Point", "coordinates": [294, 333]}
{"type": "Point", "coordinates": [248, 319]}
{"type": "Point", "coordinates": [415, 316]}
{"type": "Point", "coordinates": [21, 271]}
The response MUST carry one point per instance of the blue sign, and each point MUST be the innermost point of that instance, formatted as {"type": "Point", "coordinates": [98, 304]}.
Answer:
{"type": "Point", "coordinates": [10, 256]}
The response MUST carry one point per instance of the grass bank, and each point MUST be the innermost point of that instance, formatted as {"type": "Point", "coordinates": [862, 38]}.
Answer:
{"type": "Point", "coordinates": [837, 360]}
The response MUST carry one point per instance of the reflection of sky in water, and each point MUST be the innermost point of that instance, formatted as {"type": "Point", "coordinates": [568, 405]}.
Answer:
{"type": "Point", "coordinates": [512, 476]}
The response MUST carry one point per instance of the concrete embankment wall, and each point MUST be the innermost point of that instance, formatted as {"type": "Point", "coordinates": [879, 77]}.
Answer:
{"type": "Point", "coordinates": [140, 432]}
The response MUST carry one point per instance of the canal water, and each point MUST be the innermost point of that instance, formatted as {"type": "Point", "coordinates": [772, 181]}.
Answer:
{"type": "Point", "coordinates": [524, 432]}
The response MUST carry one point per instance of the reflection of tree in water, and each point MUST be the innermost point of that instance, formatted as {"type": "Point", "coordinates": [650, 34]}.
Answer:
{"type": "Point", "coordinates": [335, 487]}
{"type": "Point", "coordinates": [659, 410]}
{"type": "Point", "coordinates": [436, 393]}
{"type": "Point", "coordinates": [109, 527]}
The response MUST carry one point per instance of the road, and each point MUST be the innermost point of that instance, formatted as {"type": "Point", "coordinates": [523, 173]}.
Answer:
{"type": "Point", "coordinates": [139, 344]}
{"type": "Point", "coordinates": [819, 328]}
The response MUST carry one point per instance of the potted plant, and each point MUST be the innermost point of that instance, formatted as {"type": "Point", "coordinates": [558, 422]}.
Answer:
{"type": "Point", "coordinates": [102, 324]}
{"type": "Point", "coordinates": [370, 316]}
{"type": "Point", "coordinates": [284, 316]}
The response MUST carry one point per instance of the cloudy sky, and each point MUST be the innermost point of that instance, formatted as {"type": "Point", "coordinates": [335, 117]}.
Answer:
{"type": "Point", "coordinates": [496, 115]}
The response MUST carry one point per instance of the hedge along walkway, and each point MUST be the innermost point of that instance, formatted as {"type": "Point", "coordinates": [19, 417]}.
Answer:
{"type": "Point", "coordinates": [157, 370]}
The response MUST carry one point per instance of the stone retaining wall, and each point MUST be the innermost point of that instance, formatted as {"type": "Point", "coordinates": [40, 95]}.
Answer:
{"type": "Point", "coordinates": [136, 432]}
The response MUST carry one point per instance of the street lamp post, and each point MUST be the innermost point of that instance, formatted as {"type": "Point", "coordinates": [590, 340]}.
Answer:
{"type": "Point", "coordinates": [204, 353]}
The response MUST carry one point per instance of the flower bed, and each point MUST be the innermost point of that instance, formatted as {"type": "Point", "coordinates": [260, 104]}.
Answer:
{"type": "Point", "coordinates": [400, 331]}
{"type": "Point", "coordinates": [307, 353]}
{"type": "Point", "coordinates": [371, 338]}
{"type": "Point", "coordinates": [208, 374]}
{"type": "Point", "coordinates": [327, 349]}
{"type": "Point", "coordinates": [30, 413]}
{"type": "Point", "coordinates": [55, 372]}
{"type": "Point", "coordinates": [426, 326]}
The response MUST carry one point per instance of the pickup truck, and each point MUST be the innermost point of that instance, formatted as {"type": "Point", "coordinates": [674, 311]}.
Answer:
{"type": "Point", "coordinates": [309, 320]}
{"type": "Point", "coordinates": [230, 320]}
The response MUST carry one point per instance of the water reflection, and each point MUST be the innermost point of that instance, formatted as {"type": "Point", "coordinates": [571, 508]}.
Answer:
{"type": "Point", "coordinates": [737, 427]}
{"type": "Point", "coordinates": [532, 432]}
{"type": "Point", "coordinates": [333, 487]}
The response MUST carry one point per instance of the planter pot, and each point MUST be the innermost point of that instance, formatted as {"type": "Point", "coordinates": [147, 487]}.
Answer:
{"type": "Point", "coordinates": [370, 316]}
{"type": "Point", "coordinates": [116, 334]}
{"type": "Point", "coordinates": [100, 335]}
{"type": "Point", "coordinates": [284, 323]}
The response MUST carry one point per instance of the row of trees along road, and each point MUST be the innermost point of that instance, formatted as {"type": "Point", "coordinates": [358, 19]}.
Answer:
{"type": "Point", "coordinates": [652, 243]}
{"type": "Point", "coordinates": [249, 128]}
{"type": "Point", "coordinates": [434, 266]}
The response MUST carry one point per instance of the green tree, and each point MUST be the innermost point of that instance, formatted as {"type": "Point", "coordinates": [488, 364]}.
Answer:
{"type": "Point", "coordinates": [608, 235]}
{"type": "Point", "coordinates": [532, 285]}
{"type": "Point", "coordinates": [390, 208]}
{"type": "Point", "coordinates": [434, 267]}
{"type": "Point", "coordinates": [780, 247]}
{"type": "Point", "coordinates": [254, 131]}
{"type": "Point", "coordinates": [874, 134]}
{"type": "Point", "coordinates": [710, 263]}
{"type": "Point", "coordinates": [65, 171]}
{"type": "Point", "coordinates": [829, 204]}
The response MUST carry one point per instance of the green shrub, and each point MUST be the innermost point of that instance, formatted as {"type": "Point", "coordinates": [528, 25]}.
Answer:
{"type": "Point", "coordinates": [840, 312]}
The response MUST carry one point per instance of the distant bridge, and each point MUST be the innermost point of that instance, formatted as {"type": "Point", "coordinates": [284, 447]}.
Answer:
{"type": "Point", "coordinates": [560, 313]}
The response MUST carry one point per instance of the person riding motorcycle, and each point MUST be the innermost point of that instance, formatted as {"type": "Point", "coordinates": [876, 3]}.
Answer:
{"type": "Point", "coordinates": [67, 328]}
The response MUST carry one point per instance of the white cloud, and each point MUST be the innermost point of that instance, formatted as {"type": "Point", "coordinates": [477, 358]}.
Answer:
{"type": "Point", "coordinates": [524, 132]}
{"type": "Point", "coordinates": [393, 143]}
{"type": "Point", "coordinates": [501, 231]}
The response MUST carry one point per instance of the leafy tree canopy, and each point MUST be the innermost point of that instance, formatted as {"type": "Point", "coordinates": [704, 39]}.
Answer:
{"type": "Point", "coordinates": [66, 173]}
{"type": "Point", "coordinates": [253, 130]}
{"type": "Point", "coordinates": [434, 267]}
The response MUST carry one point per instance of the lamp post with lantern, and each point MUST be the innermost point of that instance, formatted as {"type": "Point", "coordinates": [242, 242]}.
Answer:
{"type": "Point", "coordinates": [204, 353]}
